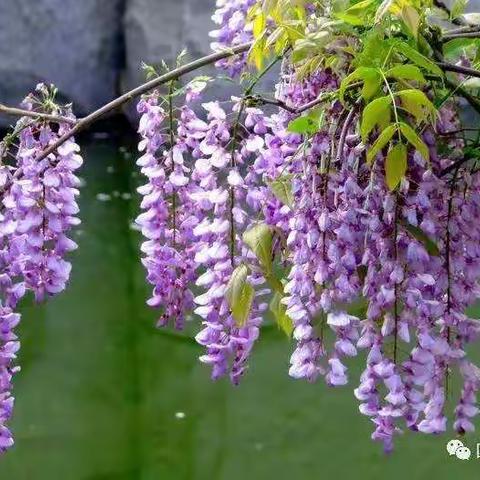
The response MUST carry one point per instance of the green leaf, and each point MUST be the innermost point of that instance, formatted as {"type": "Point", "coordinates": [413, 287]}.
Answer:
{"type": "Point", "coordinates": [457, 8]}
{"type": "Point", "coordinates": [282, 188]}
{"type": "Point", "coordinates": [409, 133]}
{"type": "Point", "coordinates": [380, 143]}
{"type": "Point", "coordinates": [375, 51]}
{"type": "Point", "coordinates": [256, 55]}
{"type": "Point", "coordinates": [357, 14]}
{"type": "Point", "coordinates": [460, 46]}
{"type": "Point", "coordinates": [430, 246]}
{"type": "Point", "coordinates": [411, 18]}
{"type": "Point", "coordinates": [280, 316]}
{"type": "Point", "coordinates": [259, 239]}
{"type": "Point", "coordinates": [305, 125]}
{"type": "Point", "coordinates": [371, 86]}
{"type": "Point", "coordinates": [396, 165]}
{"type": "Point", "coordinates": [374, 112]}
{"type": "Point", "coordinates": [310, 45]}
{"type": "Point", "coordinates": [240, 295]}
{"type": "Point", "coordinates": [405, 72]}
{"type": "Point", "coordinates": [417, 103]}
{"type": "Point", "coordinates": [259, 24]}
{"type": "Point", "coordinates": [371, 82]}
{"type": "Point", "coordinates": [416, 57]}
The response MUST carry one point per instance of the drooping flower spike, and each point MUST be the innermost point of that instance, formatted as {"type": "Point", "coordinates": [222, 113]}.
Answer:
{"type": "Point", "coordinates": [38, 212]}
{"type": "Point", "coordinates": [370, 259]}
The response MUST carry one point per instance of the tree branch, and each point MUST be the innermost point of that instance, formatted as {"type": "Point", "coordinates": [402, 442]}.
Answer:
{"type": "Point", "coordinates": [450, 67]}
{"type": "Point", "coordinates": [140, 90]}
{"type": "Point", "coordinates": [459, 30]}
{"type": "Point", "coordinates": [19, 112]}
{"type": "Point", "coordinates": [293, 110]}
{"type": "Point", "coordinates": [437, 54]}
{"type": "Point", "coordinates": [450, 36]}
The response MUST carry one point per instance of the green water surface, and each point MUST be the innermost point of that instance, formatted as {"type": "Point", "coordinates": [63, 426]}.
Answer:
{"type": "Point", "coordinates": [103, 395]}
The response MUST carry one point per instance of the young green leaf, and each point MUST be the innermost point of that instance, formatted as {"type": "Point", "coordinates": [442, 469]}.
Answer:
{"type": "Point", "coordinates": [280, 316]}
{"type": "Point", "coordinates": [457, 8]}
{"type": "Point", "coordinates": [417, 104]}
{"type": "Point", "coordinates": [259, 239]}
{"type": "Point", "coordinates": [460, 46]}
{"type": "Point", "coordinates": [405, 72]}
{"type": "Point", "coordinates": [240, 295]}
{"type": "Point", "coordinates": [358, 13]}
{"type": "Point", "coordinates": [396, 165]}
{"type": "Point", "coordinates": [430, 246]}
{"type": "Point", "coordinates": [371, 86]}
{"type": "Point", "coordinates": [416, 57]}
{"type": "Point", "coordinates": [372, 113]}
{"type": "Point", "coordinates": [305, 125]}
{"type": "Point", "coordinates": [409, 133]}
{"type": "Point", "coordinates": [281, 187]}
{"type": "Point", "coordinates": [374, 51]}
{"type": "Point", "coordinates": [304, 47]}
{"type": "Point", "coordinates": [380, 143]}
{"type": "Point", "coordinates": [411, 18]}
{"type": "Point", "coordinates": [259, 24]}
{"type": "Point", "coordinates": [370, 77]}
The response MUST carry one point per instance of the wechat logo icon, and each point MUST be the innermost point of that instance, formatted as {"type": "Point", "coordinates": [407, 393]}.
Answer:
{"type": "Point", "coordinates": [457, 448]}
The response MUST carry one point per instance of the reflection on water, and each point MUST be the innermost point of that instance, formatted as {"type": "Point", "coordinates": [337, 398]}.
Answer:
{"type": "Point", "coordinates": [103, 395]}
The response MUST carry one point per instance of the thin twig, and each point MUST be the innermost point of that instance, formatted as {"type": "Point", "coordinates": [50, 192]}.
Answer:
{"type": "Point", "coordinates": [474, 102]}
{"type": "Point", "coordinates": [140, 90]}
{"type": "Point", "coordinates": [344, 132]}
{"type": "Point", "coordinates": [450, 67]}
{"type": "Point", "coordinates": [464, 29]}
{"type": "Point", "coordinates": [20, 112]}
{"type": "Point", "coordinates": [455, 166]}
{"type": "Point", "coordinates": [451, 36]}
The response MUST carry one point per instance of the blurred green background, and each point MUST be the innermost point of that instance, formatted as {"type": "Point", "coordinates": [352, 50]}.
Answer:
{"type": "Point", "coordinates": [104, 395]}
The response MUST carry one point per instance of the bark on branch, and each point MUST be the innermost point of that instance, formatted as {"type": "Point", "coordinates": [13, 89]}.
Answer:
{"type": "Point", "coordinates": [140, 90]}
{"type": "Point", "coordinates": [19, 112]}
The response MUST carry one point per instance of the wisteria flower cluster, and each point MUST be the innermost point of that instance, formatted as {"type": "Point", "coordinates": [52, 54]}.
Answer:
{"type": "Point", "coordinates": [38, 211]}
{"type": "Point", "coordinates": [353, 229]}
{"type": "Point", "coordinates": [342, 206]}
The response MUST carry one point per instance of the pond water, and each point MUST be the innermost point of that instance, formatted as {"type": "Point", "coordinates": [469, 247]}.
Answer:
{"type": "Point", "coordinates": [103, 395]}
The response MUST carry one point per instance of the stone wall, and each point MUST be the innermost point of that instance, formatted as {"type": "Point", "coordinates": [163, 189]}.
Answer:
{"type": "Point", "coordinates": [75, 44]}
{"type": "Point", "coordinates": [93, 49]}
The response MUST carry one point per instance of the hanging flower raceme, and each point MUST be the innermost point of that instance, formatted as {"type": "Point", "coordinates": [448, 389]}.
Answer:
{"type": "Point", "coordinates": [45, 209]}
{"type": "Point", "coordinates": [167, 221]}
{"type": "Point", "coordinates": [38, 211]}
{"type": "Point", "coordinates": [220, 251]}
{"type": "Point", "coordinates": [11, 290]}
{"type": "Point", "coordinates": [346, 240]}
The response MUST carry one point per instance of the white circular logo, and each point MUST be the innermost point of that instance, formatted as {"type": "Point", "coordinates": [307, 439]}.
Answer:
{"type": "Point", "coordinates": [457, 448]}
